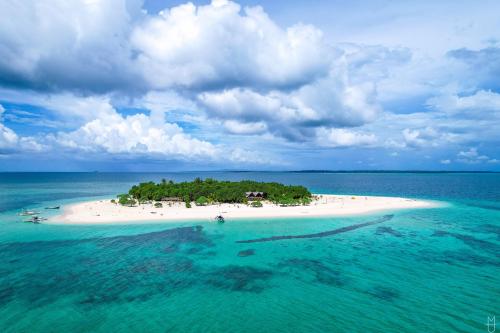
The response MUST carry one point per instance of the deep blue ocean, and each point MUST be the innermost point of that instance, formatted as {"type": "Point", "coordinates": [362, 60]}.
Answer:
{"type": "Point", "coordinates": [426, 270]}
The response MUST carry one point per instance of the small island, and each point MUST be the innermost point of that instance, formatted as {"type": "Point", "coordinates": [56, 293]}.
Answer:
{"type": "Point", "coordinates": [211, 191]}
{"type": "Point", "coordinates": [204, 200]}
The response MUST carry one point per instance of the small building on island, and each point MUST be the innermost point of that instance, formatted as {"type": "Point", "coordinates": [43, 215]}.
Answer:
{"type": "Point", "coordinates": [174, 199]}
{"type": "Point", "coordinates": [255, 195]}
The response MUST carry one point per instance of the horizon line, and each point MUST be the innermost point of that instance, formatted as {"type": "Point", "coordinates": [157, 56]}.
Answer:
{"type": "Point", "coordinates": [272, 171]}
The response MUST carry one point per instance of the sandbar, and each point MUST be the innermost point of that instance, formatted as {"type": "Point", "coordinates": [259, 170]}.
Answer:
{"type": "Point", "coordinates": [106, 212]}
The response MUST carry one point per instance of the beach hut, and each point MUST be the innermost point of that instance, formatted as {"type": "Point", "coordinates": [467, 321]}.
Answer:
{"type": "Point", "coordinates": [255, 195]}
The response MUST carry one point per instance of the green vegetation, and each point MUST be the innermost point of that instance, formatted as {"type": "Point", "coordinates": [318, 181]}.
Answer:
{"type": "Point", "coordinates": [113, 201]}
{"type": "Point", "coordinates": [201, 201]}
{"type": "Point", "coordinates": [256, 204]}
{"type": "Point", "coordinates": [211, 190]}
{"type": "Point", "coordinates": [126, 200]}
{"type": "Point", "coordinates": [158, 205]}
{"type": "Point", "coordinates": [187, 199]}
{"type": "Point", "coordinates": [306, 201]}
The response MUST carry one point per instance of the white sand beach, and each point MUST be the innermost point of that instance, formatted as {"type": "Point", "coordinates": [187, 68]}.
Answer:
{"type": "Point", "coordinates": [105, 212]}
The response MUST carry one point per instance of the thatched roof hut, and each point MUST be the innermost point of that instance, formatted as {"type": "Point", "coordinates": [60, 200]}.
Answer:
{"type": "Point", "coordinates": [255, 195]}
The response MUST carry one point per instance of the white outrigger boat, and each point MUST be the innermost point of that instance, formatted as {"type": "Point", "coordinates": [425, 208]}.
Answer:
{"type": "Point", "coordinates": [36, 220]}
{"type": "Point", "coordinates": [28, 213]}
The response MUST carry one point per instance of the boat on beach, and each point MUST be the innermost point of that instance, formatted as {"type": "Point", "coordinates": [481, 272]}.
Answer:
{"type": "Point", "coordinates": [219, 219]}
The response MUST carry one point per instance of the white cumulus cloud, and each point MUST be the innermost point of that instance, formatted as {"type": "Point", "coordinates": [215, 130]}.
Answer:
{"type": "Point", "coordinates": [220, 44]}
{"type": "Point", "coordinates": [10, 142]}
{"type": "Point", "coordinates": [482, 104]}
{"type": "Point", "coordinates": [472, 156]}
{"type": "Point", "coordinates": [344, 138]}
{"type": "Point", "coordinates": [8, 139]}
{"type": "Point", "coordinates": [295, 115]}
{"type": "Point", "coordinates": [248, 128]}
{"type": "Point", "coordinates": [68, 44]}
{"type": "Point", "coordinates": [136, 134]}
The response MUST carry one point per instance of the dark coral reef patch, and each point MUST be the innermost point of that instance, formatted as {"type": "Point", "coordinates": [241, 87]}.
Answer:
{"type": "Point", "coordinates": [239, 278]}
{"type": "Point", "coordinates": [320, 234]}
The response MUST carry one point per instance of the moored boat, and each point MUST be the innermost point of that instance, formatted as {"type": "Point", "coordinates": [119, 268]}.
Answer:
{"type": "Point", "coordinates": [28, 213]}
{"type": "Point", "coordinates": [219, 218]}
{"type": "Point", "coordinates": [35, 220]}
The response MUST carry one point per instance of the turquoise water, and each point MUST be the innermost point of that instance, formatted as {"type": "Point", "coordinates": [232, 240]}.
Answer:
{"type": "Point", "coordinates": [433, 270]}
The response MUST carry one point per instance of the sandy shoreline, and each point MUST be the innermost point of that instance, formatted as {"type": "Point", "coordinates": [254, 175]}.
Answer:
{"type": "Point", "coordinates": [105, 212]}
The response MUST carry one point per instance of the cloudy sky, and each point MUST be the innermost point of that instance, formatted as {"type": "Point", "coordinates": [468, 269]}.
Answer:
{"type": "Point", "coordinates": [270, 85]}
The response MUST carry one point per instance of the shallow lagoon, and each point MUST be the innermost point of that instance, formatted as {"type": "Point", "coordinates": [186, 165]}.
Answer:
{"type": "Point", "coordinates": [432, 270]}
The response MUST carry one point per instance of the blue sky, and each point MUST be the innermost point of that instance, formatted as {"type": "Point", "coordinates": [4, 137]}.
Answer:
{"type": "Point", "coordinates": [157, 85]}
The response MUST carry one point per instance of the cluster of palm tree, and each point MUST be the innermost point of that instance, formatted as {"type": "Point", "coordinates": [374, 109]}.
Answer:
{"type": "Point", "coordinates": [214, 191]}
